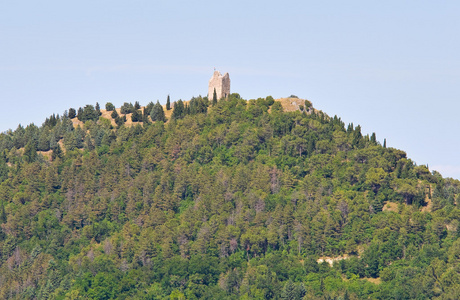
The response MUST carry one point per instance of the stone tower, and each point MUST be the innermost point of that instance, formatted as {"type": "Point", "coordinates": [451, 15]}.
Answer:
{"type": "Point", "coordinates": [221, 84]}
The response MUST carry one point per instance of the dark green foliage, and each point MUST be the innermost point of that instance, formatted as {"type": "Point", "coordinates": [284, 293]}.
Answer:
{"type": "Point", "coordinates": [178, 110]}
{"type": "Point", "coordinates": [145, 116]}
{"type": "Point", "coordinates": [114, 114]}
{"type": "Point", "coordinates": [136, 116]}
{"type": "Point", "coordinates": [72, 113]}
{"type": "Point", "coordinates": [79, 137]}
{"type": "Point", "coordinates": [19, 139]}
{"type": "Point", "coordinates": [236, 202]}
{"type": "Point", "coordinates": [137, 105]}
{"type": "Point", "coordinates": [292, 291]}
{"type": "Point", "coordinates": [197, 106]}
{"type": "Point", "coordinates": [157, 113]}
{"type": "Point", "coordinates": [127, 108]}
{"type": "Point", "coordinates": [57, 152]}
{"type": "Point", "coordinates": [148, 107]}
{"type": "Point", "coordinates": [87, 113]}
{"type": "Point", "coordinates": [270, 100]}
{"type": "Point", "coordinates": [109, 106]}
{"type": "Point", "coordinates": [98, 109]}
{"type": "Point", "coordinates": [3, 170]}
{"type": "Point", "coordinates": [214, 97]}
{"type": "Point", "coordinates": [168, 103]}
{"type": "Point", "coordinates": [80, 111]}
{"type": "Point", "coordinates": [30, 152]}
{"type": "Point", "coordinates": [52, 120]}
{"type": "Point", "coordinates": [120, 120]}
{"type": "Point", "coordinates": [43, 143]}
{"type": "Point", "coordinates": [373, 138]}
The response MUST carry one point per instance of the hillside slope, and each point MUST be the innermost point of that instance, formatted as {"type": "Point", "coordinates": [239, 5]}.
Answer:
{"type": "Point", "coordinates": [239, 200]}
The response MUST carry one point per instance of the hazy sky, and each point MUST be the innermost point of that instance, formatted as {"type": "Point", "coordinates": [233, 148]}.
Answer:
{"type": "Point", "coordinates": [391, 66]}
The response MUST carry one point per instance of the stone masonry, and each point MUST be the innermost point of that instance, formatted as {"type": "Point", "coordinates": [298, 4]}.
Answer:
{"type": "Point", "coordinates": [221, 84]}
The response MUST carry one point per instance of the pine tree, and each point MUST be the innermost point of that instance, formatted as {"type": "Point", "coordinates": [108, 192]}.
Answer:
{"type": "Point", "coordinates": [30, 152]}
{"type": "Point", "coordinates": [168, 103]}
{"type": "Point", "coordinates": [384, 143]}
{"type": "Point", "coordinates": [136, 116]}
{"type": "Point", "coordinates": [289, 291]}
{"type": "Point", "coordinates": [373, 138]}
{"type": "Point", "coordinates": [2, 213]}
{"type": "Point", "coordinates": [157, 113]}
{"type": "Point", "coordinates": [120, 120]}
{"type": "Point", "coordinates": [301, 290]}
{"type": "Point", "coordinates": [145, 116]}
{"type": "Point", "coordinates": [89, 143]}
{"type": "Point", "coordinates": [72, 113]}
{"type": "Point", "coordinates": [43, 141]}
{"type": "Point", "coordinates": [178, 110]}
{"type": "Point", "coordinates": [57, 152]}
{"type": "Point", "coordinates": [114, 114]}
{"type": "Point", "coordinates": [3, 170]}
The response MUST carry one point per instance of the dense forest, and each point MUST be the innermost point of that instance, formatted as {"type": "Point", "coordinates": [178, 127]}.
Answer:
{"type": "Point", "coordinates": [229, 199]}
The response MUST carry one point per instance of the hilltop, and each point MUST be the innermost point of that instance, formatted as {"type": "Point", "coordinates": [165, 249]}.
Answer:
{"type": "Point", "coordinates": [291, 103]}
{"type": "Point", "coordinates": [240, 199]}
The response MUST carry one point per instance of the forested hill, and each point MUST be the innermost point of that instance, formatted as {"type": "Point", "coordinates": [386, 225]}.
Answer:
{"type": "Point", "coordinates": [232, 199]}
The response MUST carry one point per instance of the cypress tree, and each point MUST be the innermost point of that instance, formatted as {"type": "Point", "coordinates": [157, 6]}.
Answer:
{"type": "Point", "coordinates": [373, 138]}
{"type": "Point", "coordinates": [98, 109]}
{"type": "Point", "coordinates": [214, 97]}
{"type": "Point", "coordinates": [168, 103]}
{"type": "Point", "coordinates": [80, 113]}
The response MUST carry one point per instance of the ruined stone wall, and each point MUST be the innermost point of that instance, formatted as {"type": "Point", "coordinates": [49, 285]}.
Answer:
{"type": "Point", "coordinates": [221, 84]}
{"type": "Point", "coordinates": [225, 86]}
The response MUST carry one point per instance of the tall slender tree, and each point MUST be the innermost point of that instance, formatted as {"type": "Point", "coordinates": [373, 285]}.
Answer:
{"type": "Point", "coordinates": [168, 103]}
{"type": "Point", "coordinates": [214, 97]}
{"type": "Point", "coordinates": [98, 109]}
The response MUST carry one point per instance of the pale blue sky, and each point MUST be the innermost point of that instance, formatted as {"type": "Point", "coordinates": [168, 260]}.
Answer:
{"type": "Point", "coordinates": [391, 66]}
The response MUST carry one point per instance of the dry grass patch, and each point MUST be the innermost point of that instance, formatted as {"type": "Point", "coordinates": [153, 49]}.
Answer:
{"type": "Point", "coordinates": [390, 206]}
{"type": "Point", "coordinates": [374, 280]}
